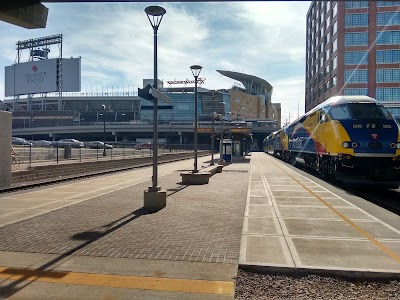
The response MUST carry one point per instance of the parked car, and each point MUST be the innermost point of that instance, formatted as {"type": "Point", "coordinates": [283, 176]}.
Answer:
{"type": "Point", "coordinates": [68, 142]}
{"type": "Point", "coordinates": [143, 146]}
{"type": "Point", "coordinates": [20, 141]}
{"type": "Point", "coordinates": [42, 143]}
{"type": "Point", "coordinates": [97, 145]}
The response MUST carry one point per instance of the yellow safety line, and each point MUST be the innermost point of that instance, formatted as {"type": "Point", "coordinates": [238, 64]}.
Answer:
{"type": "Point", "coordinates": [361, 231]}
{"type": "Point", "coordinates": [120, 281]}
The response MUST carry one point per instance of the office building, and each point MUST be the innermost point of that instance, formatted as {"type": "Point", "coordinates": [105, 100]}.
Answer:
{"type": "Point", "coordinates": [353, 48]}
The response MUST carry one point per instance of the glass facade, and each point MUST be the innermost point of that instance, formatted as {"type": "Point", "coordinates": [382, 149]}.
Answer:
{"type": "Point", "coordinates": [388, 94]}
{"type": "Point", "coordinates": [356, 4]}
{"type": "Point", "coordinates": [356, 57]}
{"type": "Point", "coordinates": [356, 20]}
{"type": "Point", "coordinates": [387, 56]}
{"type": "Point", "coordinates": [356, 92]}
{"type": "Point", "coordinates": [387, 3]}
{"type": "Point", "coordinates": [356, 39]}
{"type": "Point", "coordinates": [388, 18]}
{"type": "Point", "coordinates": [387, 37]}
{"type": "Point", "coordinates": [356, 76]}
{"type": "Point", "coordinates": [388, 75]}
{"type": "Point", "coordinates": [181, 108]}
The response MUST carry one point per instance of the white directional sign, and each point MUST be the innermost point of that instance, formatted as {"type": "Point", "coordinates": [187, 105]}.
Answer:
{"type": "Point", "coordinates": [160, 96]}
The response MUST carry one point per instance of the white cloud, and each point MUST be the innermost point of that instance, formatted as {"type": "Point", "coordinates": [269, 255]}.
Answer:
{"type": "Point", "coordinates": [115, 41]}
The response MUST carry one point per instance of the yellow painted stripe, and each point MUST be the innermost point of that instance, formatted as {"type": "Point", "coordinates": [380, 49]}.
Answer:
{"type": "Point", "coordinates": [120, 281]}
{"type": "Point", "coordinates": [344, 218]}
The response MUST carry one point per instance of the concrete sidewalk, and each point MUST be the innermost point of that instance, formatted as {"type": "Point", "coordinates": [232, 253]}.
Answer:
{"type": "Point", "coordinates": [91, 238]}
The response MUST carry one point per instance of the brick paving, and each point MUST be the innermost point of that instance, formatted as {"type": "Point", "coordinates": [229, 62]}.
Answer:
{"type": "Point", "coordinates": [200, 223]}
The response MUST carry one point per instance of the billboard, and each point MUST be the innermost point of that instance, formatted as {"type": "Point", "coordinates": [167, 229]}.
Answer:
{"type": "Point", "coordinates": [42, 76]}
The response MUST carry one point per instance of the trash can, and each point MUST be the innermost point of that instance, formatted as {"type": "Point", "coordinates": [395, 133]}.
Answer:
{"type": "Point", "coordinates": [67, 152]}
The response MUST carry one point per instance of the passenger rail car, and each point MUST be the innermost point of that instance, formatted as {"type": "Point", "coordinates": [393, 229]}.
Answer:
{"type": "Point", "coordinates": [352, 139]}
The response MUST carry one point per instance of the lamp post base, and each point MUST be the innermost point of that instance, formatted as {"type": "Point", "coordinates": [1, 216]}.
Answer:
{"type": "Point", "coordinates": [155, 200]}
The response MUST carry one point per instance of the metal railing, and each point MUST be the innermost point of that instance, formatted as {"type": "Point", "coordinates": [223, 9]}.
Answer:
{"type": "Point", "coordinates": [31, 156]}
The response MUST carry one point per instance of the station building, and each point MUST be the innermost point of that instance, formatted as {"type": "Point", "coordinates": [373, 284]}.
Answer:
{"type": "Point", "coordinates": [129, 117]}
{"type": "Point", "coordinates": [352, 48]}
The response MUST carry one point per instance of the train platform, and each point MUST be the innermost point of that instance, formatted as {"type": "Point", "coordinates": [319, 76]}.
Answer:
{"type": "Point", "coordinates": [92, 239]}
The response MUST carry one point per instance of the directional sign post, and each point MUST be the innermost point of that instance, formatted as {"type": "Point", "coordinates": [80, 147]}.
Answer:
{"type": "Point", "coordinates": [159, 95]}
{"type": "Point", "coordinates": [149, 93]}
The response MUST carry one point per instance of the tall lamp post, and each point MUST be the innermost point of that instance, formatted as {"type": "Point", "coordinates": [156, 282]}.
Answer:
{"type": "Point", "coordinates": [104, 130]}
{"type": "Point", "coordinates": [212, 126]}
{"type": "Point", "coordinates": [155, 15]}
{"type": "Point", "coordinates": [222, 132]}
{"type": "Point", "coordinates": [196, 69]}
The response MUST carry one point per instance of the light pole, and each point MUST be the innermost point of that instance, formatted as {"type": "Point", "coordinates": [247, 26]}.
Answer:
{"type": "Point", "coordinates": [222, 131]}
{"type": "Point", "coordinates": [212, 127]}
{"type": "Point", "coordinates": [237, 117]}
{"type": "Point", "coordinates": [104, 130]}
{"type": "Point", "coordinates": [196, 69]}
{"type": "Point", "coordinates": [155, 15]}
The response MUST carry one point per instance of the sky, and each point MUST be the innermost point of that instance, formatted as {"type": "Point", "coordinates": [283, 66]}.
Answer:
{"type": "Point", "coordinates": [115, 40]}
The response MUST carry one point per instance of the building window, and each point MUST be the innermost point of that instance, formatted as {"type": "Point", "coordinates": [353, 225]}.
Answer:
{"type": "Point", "coordinates": [334, 63]}
{"type": "Point", "coordinates": [355, 4]}
{"type": "Point", "coordinates": [356, 58]}
{"type": "Point", "coordinates": [334, 28]}
{"type": "Point", "coordinates": [334, 80]}
{"type": "Point", "coordinates": [387, 3]}
{"type": "Point", "coordinates": [356, 76]}
{"type": "Point", "coordinates": [388, 18]}
{"type": "Point", "coordinates": [327, 69]}
{"type": "Point", "coordinates": [327, 39]}
{"type": "Point", "coordinates": [388, 94]}
{"type": "Point", "coordinates": [387, 56]}
{"type": "Point", "coordinates": [356, 39]}
{"type": "Point", "coordinates": [327, 54]}
{"type": "Point", "coordinates": [356, 20]}
{"type": "Point", "coordinates": [388, 75]}
{"type": "Point", "coordinates": [334, 45]}
{"type": "Point", "coordinates": [334, 10]}
{"type": "Point", "coordinates": [387, 37]}
{"type": "Point", "coordinates": [328, 20]}
{"type": "Point", "coordinates": [356, 92]}
{"type": "Point", "coordinates": [326, 86]}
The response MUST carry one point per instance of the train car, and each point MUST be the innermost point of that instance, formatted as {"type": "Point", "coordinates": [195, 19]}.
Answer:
{"type": "Point", "coordinates": [273, 143]}
{"type": "Point", "coordinates": [353, 139]}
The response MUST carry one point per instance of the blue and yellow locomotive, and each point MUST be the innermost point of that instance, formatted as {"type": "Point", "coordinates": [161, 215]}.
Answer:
{"type": "Point", "coordinates": [353, 139]}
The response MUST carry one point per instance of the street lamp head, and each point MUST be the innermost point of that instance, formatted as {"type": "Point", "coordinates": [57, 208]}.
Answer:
{"type": "Point", "coordinates": [196, 70]}
{"type": "Point", "coordinates": [103, 106]}
{"type": "Point", "coordinates": [156, 13]}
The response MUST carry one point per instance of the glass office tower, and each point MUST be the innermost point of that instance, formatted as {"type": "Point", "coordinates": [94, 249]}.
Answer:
{"type": "Point", "coordinates": [353, 48]}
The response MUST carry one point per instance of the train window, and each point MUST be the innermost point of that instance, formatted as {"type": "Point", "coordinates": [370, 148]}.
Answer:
{"type": "Point", "coordinates": [339, 112]}
{"type": "Point", "coordinates": [365, 111]}
{"type": "Point", "coordinates": [386, 113]}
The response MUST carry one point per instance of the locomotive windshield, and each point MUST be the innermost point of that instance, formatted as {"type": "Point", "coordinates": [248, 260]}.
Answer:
{"type": "Point", "coordinates": [359, 111]}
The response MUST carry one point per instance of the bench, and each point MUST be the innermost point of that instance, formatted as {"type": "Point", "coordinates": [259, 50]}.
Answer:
{"type": "Point", "coordinates": [202, 176]}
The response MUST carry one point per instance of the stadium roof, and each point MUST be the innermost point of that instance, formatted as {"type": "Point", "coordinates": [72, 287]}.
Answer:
{"type": "Point", "coordinates": [253, 84]}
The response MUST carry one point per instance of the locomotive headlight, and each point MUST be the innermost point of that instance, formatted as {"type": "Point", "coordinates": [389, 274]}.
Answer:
{"type": "Point", "coordinates": [354, 144]}
{"type": "Point", "coordinates": [398, 146]}
{"type": "Point", "coordinates": [345, 144]}
{"type": "Point", "coordinates": [393, 145]}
